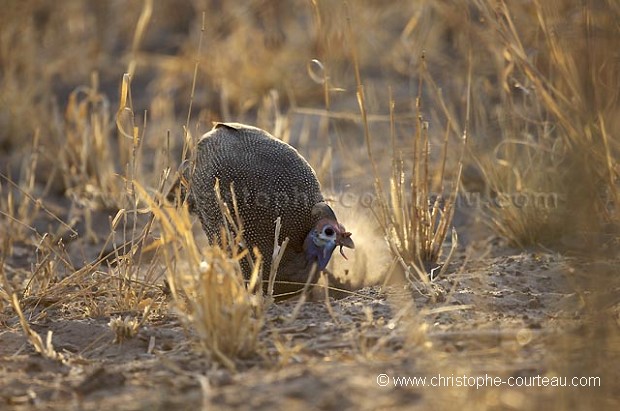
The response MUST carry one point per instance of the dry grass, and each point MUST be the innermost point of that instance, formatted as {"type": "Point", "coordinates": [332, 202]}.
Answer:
{"type": "Point", "coordinates": [533, 87]}
{"type": "Point", "coordinates": [46, 349]}
{"type": "Point", "coordinates": [416, 212]}
{"type": "Point", "coordinates": [207, 285]}
{"type": "Point", "coordinates": [557, 159]}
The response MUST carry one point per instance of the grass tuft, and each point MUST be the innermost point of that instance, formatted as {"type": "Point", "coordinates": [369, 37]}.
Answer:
{"type": "Point", "coordinates": [208, 287]}
{"type": "Point", "coordinates": [556, 169]}
{"type": "Point", "coordinates": [415, 214]}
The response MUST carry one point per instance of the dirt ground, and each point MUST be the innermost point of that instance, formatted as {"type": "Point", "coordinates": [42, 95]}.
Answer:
{"type": "Point", "coordinates": [504, 315]}
{"type": "Point", "coordinates": [497, 317]}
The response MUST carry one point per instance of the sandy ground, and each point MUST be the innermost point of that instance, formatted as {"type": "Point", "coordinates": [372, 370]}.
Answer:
{"type": "Point", "coordinates": [500, 316]}
{"type": "Point", "coordinates": [497, 312]}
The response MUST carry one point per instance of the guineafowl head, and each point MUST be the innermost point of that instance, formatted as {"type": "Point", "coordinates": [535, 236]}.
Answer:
{"type": "Point", "coordinates": [325, 236]}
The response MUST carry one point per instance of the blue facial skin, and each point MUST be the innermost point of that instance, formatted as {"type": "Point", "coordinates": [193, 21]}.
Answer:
{"type": "Point", "coordinates": [319, 249]}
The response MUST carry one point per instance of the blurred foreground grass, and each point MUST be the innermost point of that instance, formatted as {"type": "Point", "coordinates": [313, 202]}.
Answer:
{"type": "Point", "coordinates": [534, 85]}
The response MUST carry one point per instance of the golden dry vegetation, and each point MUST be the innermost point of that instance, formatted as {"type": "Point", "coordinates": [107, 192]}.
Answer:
{"type": "Point", "coordinates": [470, 146]}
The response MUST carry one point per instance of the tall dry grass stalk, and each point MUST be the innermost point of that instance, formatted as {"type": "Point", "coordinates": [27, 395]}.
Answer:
{"type": "Point", "coordinates": [560, 131]}
{"type": "Point", "coordinates": [123, 277]}
{"type": "Point", "coordinates": [86, 161]}
{"type": "Point", "coordinates": [416, 224]}
{"type": "Point", "coordinates": [415, 215]}
{"type": "Point", "coordinates": [208, 287]}
{"type": "Point", "coordinates": [20, 200]}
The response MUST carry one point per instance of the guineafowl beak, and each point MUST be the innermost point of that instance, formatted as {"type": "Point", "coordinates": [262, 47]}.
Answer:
{"type": "Point", "coordinates": [345, 240]}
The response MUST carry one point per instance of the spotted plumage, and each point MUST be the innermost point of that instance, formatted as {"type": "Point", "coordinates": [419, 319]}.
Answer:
{"type": "Point", "coordinates": [270, 179]}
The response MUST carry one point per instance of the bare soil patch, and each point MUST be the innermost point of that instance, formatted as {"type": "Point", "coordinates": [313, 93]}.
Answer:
{"type": "Point", "coordinates": [500, 316]}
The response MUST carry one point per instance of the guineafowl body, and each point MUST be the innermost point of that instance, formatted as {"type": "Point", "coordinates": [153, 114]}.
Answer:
{"type": "Point", "coordinates": [270, 179]}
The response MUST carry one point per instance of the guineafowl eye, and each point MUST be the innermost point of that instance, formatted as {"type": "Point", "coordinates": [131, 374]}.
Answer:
{"type": "Point", "coordinates": [329, 231]}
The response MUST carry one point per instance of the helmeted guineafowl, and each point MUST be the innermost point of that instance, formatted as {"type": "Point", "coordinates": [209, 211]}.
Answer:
{"type": "Point", "coordinates": [270, 179]}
